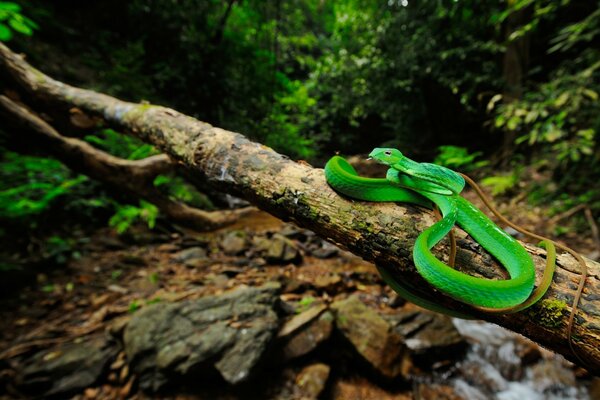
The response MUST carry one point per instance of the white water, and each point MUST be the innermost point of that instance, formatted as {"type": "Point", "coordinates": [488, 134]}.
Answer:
{"type": "Point", "coordinates": [491, 369]}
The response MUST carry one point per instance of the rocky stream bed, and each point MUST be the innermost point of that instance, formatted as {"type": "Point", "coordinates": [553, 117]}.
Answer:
{"type": "Point", "coordinates": [260, 310]}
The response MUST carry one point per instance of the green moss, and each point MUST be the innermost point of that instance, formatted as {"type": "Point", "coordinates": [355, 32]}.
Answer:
{"type": "Point", "coordinates": [361, 225]}
{"type": "Point", "coordinates": [549, 312]}
{"type": "Point", "coordinates": [136, 111]}
{"type": "Point", "coordinates": [39, 76]}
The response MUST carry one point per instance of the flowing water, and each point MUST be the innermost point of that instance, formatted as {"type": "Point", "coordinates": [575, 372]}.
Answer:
{"type": "Point", "coordinates": [493, 368]}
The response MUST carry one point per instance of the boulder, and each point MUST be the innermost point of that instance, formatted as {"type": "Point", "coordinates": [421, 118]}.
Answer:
{"type": "Point", "coordinates": [67, 368]}
{"type": "Point", "coordinates": [371, 335]}
{"type": "Point", "coordinates": [234, 242]}
{"type": "Point", "coordinates": [192, 256]}
{"type": "Point", "coordinates": [229, 332]}
{"type": "Point", "coordinates": [306, 339]}
{"type": "Point", "coordinates": [282, 250]}
{"type": "Point", "coordinates": [362, 389]}
{"type": "Point", "coordinates": [430, 337]}
{"type": "Point", "coordinates": [311, 381]}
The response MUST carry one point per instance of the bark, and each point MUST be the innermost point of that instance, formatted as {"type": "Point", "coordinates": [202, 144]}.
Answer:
{"type": "Point", "coordinates": [132, 177]}
{"type": "Point", "coordinates": [382, 233]}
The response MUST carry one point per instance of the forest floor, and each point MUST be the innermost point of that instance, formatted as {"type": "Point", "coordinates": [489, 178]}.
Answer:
{"type": "Point", "coordinates": [77, 332]}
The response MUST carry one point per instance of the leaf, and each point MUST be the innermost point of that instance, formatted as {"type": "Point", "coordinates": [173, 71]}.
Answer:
{"type": "Point", "coordinates": [587, 134]}
{"type": "Point", "coordinates": [493, 101]}
{"type": "Point", "coordinates": [31, 23]}
{"type": "Point", "coordinates": [513, 123]}
{"type": "Point", "coordinates": [20, 27]}
{"type": "Point", "coordinates": [5, 33]}
{"type": "Point", "coordinates": [4, 5]}
{"type": "Point", "coordinates": [561, 100]}
{"type": "Point", "coordinates": [161, 180]}
{"type": "Point", "coordinates": [591, 94]}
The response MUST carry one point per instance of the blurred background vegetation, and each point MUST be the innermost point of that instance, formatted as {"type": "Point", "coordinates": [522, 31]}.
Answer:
{"type": "Point", "coordinates": [506, 90]}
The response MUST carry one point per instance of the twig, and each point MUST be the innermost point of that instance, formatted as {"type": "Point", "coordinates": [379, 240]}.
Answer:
{"type": "Point", "coordinates": [593, 225]}
{"type": "Point", "coordinates": [566, 214]}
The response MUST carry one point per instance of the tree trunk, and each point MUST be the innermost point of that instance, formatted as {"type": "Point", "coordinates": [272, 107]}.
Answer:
{"type": "Point", "coordinates": [382, 233]}
{"type": "Point", "coordinates": [516, 60]}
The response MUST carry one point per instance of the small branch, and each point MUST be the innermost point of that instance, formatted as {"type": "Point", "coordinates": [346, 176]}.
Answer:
{"type": "Point", "coordinates": [566, 214]}
{"type": "Point", "coordinates": [593, 226]}
{"type": "Point", "coordinates": [135, 177]}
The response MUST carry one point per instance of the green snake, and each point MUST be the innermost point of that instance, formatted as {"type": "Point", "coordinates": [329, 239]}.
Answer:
{"type": "Point", "coordinates": [431, 185]}
{"type": "Point", "coordinates": [438, 188]}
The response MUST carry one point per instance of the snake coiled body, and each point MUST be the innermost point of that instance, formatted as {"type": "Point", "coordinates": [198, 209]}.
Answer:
{"type": "Point", "coordinates": [428, 185]}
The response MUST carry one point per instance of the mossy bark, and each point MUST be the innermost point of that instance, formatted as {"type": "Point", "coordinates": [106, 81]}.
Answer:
{"type": "Point", "coordinates": [294, 191]}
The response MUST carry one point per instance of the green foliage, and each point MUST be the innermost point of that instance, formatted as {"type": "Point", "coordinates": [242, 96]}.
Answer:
{"type": "Point", "coordinates": [561, 115]}
{"type": "Point", "coordinates": [557, 119]}
{"type": "Point", "coordinates": [309, 77]}
{"type": "Point", "coordinates": [282, 128]}
{"type": "Point", "coordinates": [11, 20]}
{"type": "Point", "coordinates": [120, 145]}
{"type": "Point", "coordinates": [459, 158]}
{"type": "Point", "coordinates": [134, 305]}
{"type": "Point", "coordinates": [501, 184]}
{"type": "Point", "coordinates": [403, 75]}
{"type": "Point", "coordinates": [126, 215]}
{"type": "Point", "coordinates": [178, 189]}
{"type": "Point", "coordinates": [60, 249]}
{"type": "Point", "coordinates": [29, 185]}
{"type": "Point", "coordinates": [305, 303]}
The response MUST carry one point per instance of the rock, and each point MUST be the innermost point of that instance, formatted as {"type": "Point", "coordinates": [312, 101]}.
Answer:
{"type": "Point", "coordinates": [594, 388]}
{"type": "Point", "coordinates": [234, 242]}
{"type": "Point", "coordinates": [136, 237]}
{"type": "Point", "coordinates": [311, 381]}
{"type": "Point", "coordinates": [300, 320]}
{"type": "Point", "coordinates": [371, 335]}
{"type": "Point", "coordinates": [320, 276]}
{"type": "Point", "coordinates": [430, 337]}
{"type": "Point", "coordinates": [229, 332]}
{"type": "Point", "coordinates": [325, 250]}
{"type": "Point", "coordinates": [426, 391]}
{"type": "Point", "coordinates": [110, 242]}
{"type": "Point", "coordinates": [218, 281]}
{"type": "Point", "coordinates": [117, 326]}
{"type": "Point", "coordinates": [513, 232]}
{"type": "Point", "coordinates": [552, 375]}
{"type": "Point", "coordinates": [67, 368]}
{"type": "Point", "coordinates": [513, 355]}
{"type": "Point", "coordinates": [307, 339]}
{"type": "Point", "coordinates": [527, 351]}
{"type": "Point", "coordinates": [191, 256]}
{"type": "Point", "coordinates": [484, 376]}
{"type": "Point", "coordinates": [282, 251]}
{"type": "Point", "coordinates": [362, 389]}
{"type": "Point", "coordinates": [133, 259]}
{"type": "Point", "coordinates": [293, 232]}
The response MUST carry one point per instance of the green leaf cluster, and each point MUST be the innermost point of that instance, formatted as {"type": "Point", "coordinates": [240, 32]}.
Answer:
{"type": "Point", "coordinates": [11, 20]}
{"type": "Point", "coordinates": [28, 184]}
{"type": "Point", "coordinates": [126, 215]}
{"type": "Point", "coordinates": [119, 145]}
{"type": "Point", "coordinates": [459, 158]}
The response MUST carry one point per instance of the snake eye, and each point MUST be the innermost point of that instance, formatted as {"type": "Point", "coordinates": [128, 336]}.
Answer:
{"type": "Point", "coordinates": [387, 153]}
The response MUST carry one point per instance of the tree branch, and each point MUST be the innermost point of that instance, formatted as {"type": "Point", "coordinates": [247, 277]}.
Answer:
{"type": "Point", "coordinates": [133, 177]}
{"type": "Point", "coordinates": [379, 232]}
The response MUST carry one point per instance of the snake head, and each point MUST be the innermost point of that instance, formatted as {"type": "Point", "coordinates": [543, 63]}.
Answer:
{"type": "Point", "coordinates": [387, 156]}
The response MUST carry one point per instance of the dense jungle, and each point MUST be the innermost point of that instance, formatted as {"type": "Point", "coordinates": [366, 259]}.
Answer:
{"type": "Point", "coordinates": [204, 199]}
